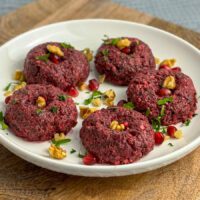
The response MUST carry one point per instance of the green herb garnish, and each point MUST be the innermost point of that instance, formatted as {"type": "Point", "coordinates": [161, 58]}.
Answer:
{"type": "Point", "coordinates": [77, 103]}
{"type": "Point", "coordinates": [113, 41]}
{"type": "Point", "coordinates": [60, 142]}
{"type": "Point", "coordinates": [187, 122]}
{"type": "Point", "coordinates": [7, 87]}
{"type": "Point", "coordinates": [162, 112]}
{"type": "Point", "coordinates": [62, 97]}
{"type": "Point", "coordinates": [4, 126]}
{"type": "Point", "coordinates": [129, 105]}
{"type": "Point", "coordinates": [95, 94]}
{"type": "Point", "coordinates": [72, 151]}
{"type": "Point", "coordinates": [164, 101]}
{"type": "Point", "coordinates": [44, 57]}
{"type": "Point", "coordinates": [54, 109]}
{"type": "Point", "coordinates": [156, 123]}
{"type": "Point", "coordinates": [105, 52]}
{"type": "Point", "coordinates": [164, 130]}
{"type": "Point", "coordinates": [66, 45]}
{"type": "Point", "coordinates": [81, 155]}
{"type": "Point", "coordinates": [38, 111]}
{"type": "Point", "coordinates": [170, 144]}
{"type": "Point", "coordinates": [147, 113]}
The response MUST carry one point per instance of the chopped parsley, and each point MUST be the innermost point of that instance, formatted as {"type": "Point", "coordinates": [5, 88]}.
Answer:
{"type": "Point", "coordinates": [4, 126]}
{"type": "Point", "coordinates": [187, 122]}
{"type": "Point", "coordinates": [77, 103]}
{"type": "Point", "coordinates": [44, 57]}
{"type": "Point", "coordinates": [170, 144]}
{"type": "Point", "coordinates": [72, 151]}
{"type": "Point", "coordinates": [54, 109]}
{"type": "Point", "coordinates": [81, 155]}
{"type": "Point", "coordinates": [109, 41]}
{"type": "Point", "coordinates": [156, 123]}
{"type": "Point", "coordinates": [66, 45]}
{"type": "Point", "coordinates": [7, 87]}
{"type": "Point", "coordinates": [62, 97]}
{"type": "Point", "coordinates": [162, 112]}
{"type": "Point", "coordinates": [95, 94]}
{"type": "Point", "coordinates": [164, 130]}
{"type": "Point", "coordinates": [38, 111]}
{"type": "Point", "coordinates": [147, 113]}
{"type": "Point", "coordinates": [60, 142]}
{"type": "Point", "coordinates": [129, 105]}
{"type": "Point", "coordinates": [164, 101]}
{"type": "Point", "coordinates": [105, 52]}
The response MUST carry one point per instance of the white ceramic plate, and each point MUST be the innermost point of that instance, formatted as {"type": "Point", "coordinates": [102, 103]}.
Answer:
{"type": "Point", "coordinates": [89, 33]}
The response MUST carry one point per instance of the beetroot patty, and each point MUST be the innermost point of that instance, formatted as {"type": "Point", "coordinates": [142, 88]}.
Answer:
{"type": "Point", "coordinates": [38, 124]}
{"type": "Point", "coordinates": [144, 88]}
{"type": "Point", "coordinates": [117, 147]}
{"type": "Point", "coordinates": [62, 72]}
{"type": "Point", "coordinates": [120, 65]}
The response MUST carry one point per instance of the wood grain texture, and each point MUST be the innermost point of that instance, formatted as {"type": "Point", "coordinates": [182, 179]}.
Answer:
{"type": "Point", "coordinates": [22, 180]}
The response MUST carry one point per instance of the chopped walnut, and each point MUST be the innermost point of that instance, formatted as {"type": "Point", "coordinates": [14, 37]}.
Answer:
{"type": "Point", "coordinates": [41, 102]}
{"type": "Point", "coordinates": [169, 82]}
{"type": "Point", "coordinates": [19, 86]}
{"type": "Point", "coordinates": [169, 62]}
{"type": "Point", "coordinates": [178, 134]}
{"type": "Point", "coordinates": [55, 50]}
{"type": "Point", "coordinates": [59, 136]}
{"type": "Point", "coordinates": [86, 111]}
{"type": "Point", "coordinates": [83, 86]}
{"type": "Point", "coordinates": [102, 78]}
{"type": "Point", "coordinates": [109, 97]}
{"type": "Point", "coordinates": [96, 102]}
{"type": "Point", "coordinates": [57, 152]}
{"type": "Point", "coordinates": [19, 76]}
{"type": "Point", "coordinates": [123, 43]}
{"type": "Point", "coordinates": [88, 54]}
{"type": "Point", "coordinates": [114, 125]}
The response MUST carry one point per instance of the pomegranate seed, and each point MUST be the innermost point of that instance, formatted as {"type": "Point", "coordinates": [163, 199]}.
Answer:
{"type": "Point", "coordinates": [7, 99]}
{"type": "Point", "coordinates": [164, 67]}
{"type": "Point", "coordinates": [171, 130]}
{"type": "Point", "coordinates": [159, 138]}
{"type": "Point", "coordinates": [54, 58]}
{"type": "Point", "coordinates": [125, 124]}
{"type": "Point", "coordinates": [164, 92]}
{"type": "Point", "coordinates": [73, 92]}
{"type": "Point", "coordinates": [93, 84]}
{"type": "Point", "coordinates": [176, 69]}
{"type": "Point", "coordinates": [89, 159]}
{"type": "Point", "coordinates": [126, 50]}
{"type": "Point", "coordinates": [121, 103]}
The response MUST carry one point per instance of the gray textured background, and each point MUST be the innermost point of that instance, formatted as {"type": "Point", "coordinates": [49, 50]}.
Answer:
{"type": "Point", "coordinates": [183, 12]}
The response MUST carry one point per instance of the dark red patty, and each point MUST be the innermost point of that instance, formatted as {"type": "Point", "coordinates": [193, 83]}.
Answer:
{"type": "Point", "coordinates": [118, 66]}
{"type": "Point", "coordinates": [69, 71]}
{"type": "Point", "coordinates": [144, 88]}
{"type": "Point", "coordinates": [117, 147]}
{"type": "Point", "coordinates": [27, 121]}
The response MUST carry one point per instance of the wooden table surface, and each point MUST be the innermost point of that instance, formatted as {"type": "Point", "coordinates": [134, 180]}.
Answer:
{"type": "Point", "coordinates": [22, 180]}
